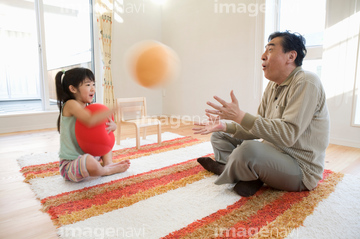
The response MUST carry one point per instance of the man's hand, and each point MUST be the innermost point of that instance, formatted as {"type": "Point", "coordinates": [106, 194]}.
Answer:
{"type": "Point", "coordinates": [213, 124]}
{"type": "Point", "coordinates": [229, 111]}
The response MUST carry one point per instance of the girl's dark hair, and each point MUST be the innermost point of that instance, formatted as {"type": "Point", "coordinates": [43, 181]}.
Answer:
{"type": "Point", "coordinates": [63, 80]}
{"type": "Point", "coordinates": [292, 42]}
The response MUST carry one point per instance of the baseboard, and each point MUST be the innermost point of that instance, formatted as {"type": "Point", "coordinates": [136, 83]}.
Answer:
{"type": "Point", "coordinates": [29, 121]}
{"type": "Point", "coordinates": [345, 142]}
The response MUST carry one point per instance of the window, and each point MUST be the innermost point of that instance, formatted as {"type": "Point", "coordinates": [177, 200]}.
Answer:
{"type": "Point", "coordinates": [67, 37]}
{"type": "Point", "coordinates": [19, 74]}
{"type": "Point", "coordinates": [306, 17]}
{"type": "Point", "coordinates": [49, 36]}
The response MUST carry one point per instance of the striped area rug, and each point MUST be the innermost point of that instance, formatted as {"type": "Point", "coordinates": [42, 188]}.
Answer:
{"type": "Point", "coordinates": [167, 194]}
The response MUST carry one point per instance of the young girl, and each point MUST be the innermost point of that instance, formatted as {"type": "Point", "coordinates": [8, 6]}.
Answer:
{"type": "Point", "coordinates": [75, 89]}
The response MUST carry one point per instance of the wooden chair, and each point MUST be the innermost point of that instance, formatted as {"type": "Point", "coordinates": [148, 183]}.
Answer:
{"type": "Point", "coordinates": [138, 117]}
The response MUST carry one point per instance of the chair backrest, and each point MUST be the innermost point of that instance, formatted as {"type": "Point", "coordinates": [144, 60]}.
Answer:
{"type": "Point", "coordinates": [131, 108]}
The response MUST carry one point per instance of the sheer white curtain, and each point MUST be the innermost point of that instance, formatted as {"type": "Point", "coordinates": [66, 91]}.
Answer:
{"type": "Point", "coordinates": [104, 17]}
{"type": "Point", "coordinates": [19, 68]}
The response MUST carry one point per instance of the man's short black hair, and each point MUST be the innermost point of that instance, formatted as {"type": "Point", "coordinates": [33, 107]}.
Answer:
{"type": "Point", "coordinates": [292, 42]}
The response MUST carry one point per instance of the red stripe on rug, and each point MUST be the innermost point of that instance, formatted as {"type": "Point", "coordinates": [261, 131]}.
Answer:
{"type": "Point", "coordinates": [55, 169]}
{"type": "Point", "coordinates": [211, 218]}
{"type": "Point", "coordinates": [36, 169]}
{"type": "Point", "coordinates": [101, 199]}
{"type": "Point", "coordinates": [43, 201]}
{"type": "Point", "coordinates": [262, 217]}
{"type": "Point", "coordinates": [268, 213]}
{"type": "Point", "coordinates": [247, 228]}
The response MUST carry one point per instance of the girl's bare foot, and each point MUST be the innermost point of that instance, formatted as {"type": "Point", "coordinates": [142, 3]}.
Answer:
{"type": "Point", "coordinates": [117, 167]}
{"type": "Point", "coordinates": [118, 163]}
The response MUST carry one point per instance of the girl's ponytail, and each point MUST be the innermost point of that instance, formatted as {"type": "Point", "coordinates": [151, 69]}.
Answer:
{"type": "Point", "coordinates": [61, 95]}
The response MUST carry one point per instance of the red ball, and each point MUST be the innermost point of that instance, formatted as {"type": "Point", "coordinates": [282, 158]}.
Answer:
{"type": "Point", "coordinates": [94, 140]}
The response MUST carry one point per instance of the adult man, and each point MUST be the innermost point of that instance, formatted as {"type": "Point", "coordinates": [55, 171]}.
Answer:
{"type": "Point", "coordinates": [292, 121]}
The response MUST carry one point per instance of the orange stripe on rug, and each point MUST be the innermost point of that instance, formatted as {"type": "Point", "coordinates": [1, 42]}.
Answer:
{"type": "Point", "coordinates": [38, 168]}
{"type": "Point", "coordinates": [85, 193]}
{"type": "Point", "coordinates": [248, 216]}
{"type": "Point", "coordinates": [266, 214]}
{"type": "Point", "coordinates": [111, 205]}
{"type": "Point", "coordinates": [205, 226]}
{"type": "Point", "coordinates": [247, 207]}
{"type": "Point", "coordinates": [40, 171]}
{"type": "Point", "coordinates": [285, 223]}
{"type": "Point", "coordinates": [103, 198]}
{"type": "Point", "coordinates": [96, 200]}
{"type": "Point", "coordinates": [51, 169]}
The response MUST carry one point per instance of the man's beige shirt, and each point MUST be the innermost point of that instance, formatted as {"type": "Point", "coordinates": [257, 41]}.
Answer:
{"type": "Point", "coordinates": [293, 118]}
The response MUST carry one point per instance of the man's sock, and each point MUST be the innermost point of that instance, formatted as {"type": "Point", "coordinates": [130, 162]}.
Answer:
{"type": "Point", "coordinates": [210, 165]}
{"type": "Point", "coordinates": [248, 188]}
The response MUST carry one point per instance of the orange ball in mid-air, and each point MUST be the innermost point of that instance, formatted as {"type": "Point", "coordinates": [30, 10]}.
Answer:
{"type": "Point", "coordinates": [152, 63]}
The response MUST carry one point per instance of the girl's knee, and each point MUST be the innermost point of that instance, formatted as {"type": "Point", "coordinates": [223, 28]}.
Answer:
{"type": "Point", "coordinates": [92, 165]}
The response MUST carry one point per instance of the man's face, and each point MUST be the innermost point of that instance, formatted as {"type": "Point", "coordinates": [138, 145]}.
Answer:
{"type": "Point", "coordinates": [275, 61]}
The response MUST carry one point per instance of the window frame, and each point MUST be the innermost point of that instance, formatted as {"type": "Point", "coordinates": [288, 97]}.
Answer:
{"type": "Point", "coordinates": [356, 89]}
{"type": "Point", "coordinates": [44, 89]}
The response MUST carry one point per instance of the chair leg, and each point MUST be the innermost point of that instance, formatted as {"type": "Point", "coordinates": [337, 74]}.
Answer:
{"type": "Point", "coordinates": [144, 133]}
{"type": "Point", "coordinates": [159, 133]}
{"type": "Point", "coordinates": [137, 137]}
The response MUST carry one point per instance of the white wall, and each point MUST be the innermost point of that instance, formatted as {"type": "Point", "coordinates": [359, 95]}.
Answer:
{"type": "Point", "coordinates": [219, 52]}
{"type": "Point", "coordinates": [341, 46]}
{"type": "Point", "coordinates": [134, 21]}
